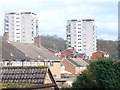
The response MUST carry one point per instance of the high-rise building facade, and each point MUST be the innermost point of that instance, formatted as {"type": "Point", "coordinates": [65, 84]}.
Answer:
{"type": "Point", "coordinates": [21, 26]}
{"type": "Point", "coordinates": [81, 35]}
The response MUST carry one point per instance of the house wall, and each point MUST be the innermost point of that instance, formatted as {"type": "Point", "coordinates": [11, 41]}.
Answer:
{"type": "Point", "coordinates": [51, 51]}
{"type": "Point", "coordinates": [97, 55]}
{"type": "Point", "coordinates": [63, 54]}
{"type": "Point", "coordinates": [79, 69]}
{"type": "Point", "coordinates": [69, 66]}
{"type": "Point", "coordinates": [55, 69]}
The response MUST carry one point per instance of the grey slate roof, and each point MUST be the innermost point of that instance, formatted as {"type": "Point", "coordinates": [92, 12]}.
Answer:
{"type": "Point", "coordinates": [103, 52]}
{"type": "Point", "coordinates": [10, 52]}
{"type": "Point", "coordinates": [34, 52]}
{"type": "Point", "coordinates": [78, 62]}
{"type": "Point", "coordinates": [29, 51]}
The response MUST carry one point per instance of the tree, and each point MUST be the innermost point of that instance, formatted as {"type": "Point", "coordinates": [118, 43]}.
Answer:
{"type": "Point", "coordinates": [104, 73]}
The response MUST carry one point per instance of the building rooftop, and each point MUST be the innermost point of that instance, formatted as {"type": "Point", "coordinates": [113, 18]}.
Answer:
{"type": "Point", "coordinates": [21, 12]}
{"type": "Point", "coordinates": [82, 19]}
{"type": "Point", "coordinates": [11, 52]}
{"type": "Point", "coordinates": [78, 62]}
{"type": "Point", "coordinates": [15, 50]}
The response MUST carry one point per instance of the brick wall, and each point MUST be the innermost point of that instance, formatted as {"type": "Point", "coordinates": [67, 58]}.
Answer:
{"type": "Point", "coordinates": [97, 55]}
{"type": "Point", "coordinates": [69, 66]}
{"type": "Point", "coordinates": [63, 54]}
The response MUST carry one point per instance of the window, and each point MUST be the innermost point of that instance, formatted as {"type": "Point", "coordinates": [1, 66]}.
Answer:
{"type": "Point", "coordinates": [69, 31]}
{"type": "Point", "coordinates": [79, 46]}
{"type": "Point", "coordinates": [79, 31]}
{"type": "Point", "coordinates": [18, 37]}
{"type": "Point", "coordinates": [79, 35]}
{"type": "Point", "coordinates": [32, 33]}
{"type": "Point", "coordinates": [17, 18]}
{"type": "Point", "coordinates": [79, 24]}
{"type": "Point", "coordinates": [68, 38]}
{"type": "Point", "coordinates": [45, 62]}
{"type": "Point", "coordinates": [25, 63]}
{"type": "Point", "coordinates": [78, 67]}
{"type": "Point", "coordinates": [32, 63]}
{"type": "Point", "coordinates": [69, 46]}
{"type": "Point", "coordinates": [9, 63]}
{"type": "Point", "coordinates": [17, 25]}
{"type": "Point", "coordinates": [79, 28]}
{"type": "Point", "coordinates": [17, 33]}
{"type": "Point", "coordinates": [2, 63]}
{"type": "Point", "coordinates": [69, 25]}
{"type": "Point", "coordinates": [17, 29]}
{"type": "Point", "coordinates": [79, 42]}
{"type": "Point", "coordinates": [18, 40]}
{"type": "Point", "coordinates": [6, 21]}
{"type": "Point", "coordinates": [17, 21]}
{"type": "Point", "coordinates": [38, 63]}
{"type": "Point", "coordinates": [51, 63]}
{"type": "Point", "coordinates": [79, 49]}
{"type": "Point", "coordinates": [69, 42]}
{"type": "Point", "coordinates": [68, 35]}
{"type": "Point", "coordinates": [79, 39]}
{"type": "Point", "coordinates": [18, 63]}
{"type": "Point", "coordinates": [7, 25]}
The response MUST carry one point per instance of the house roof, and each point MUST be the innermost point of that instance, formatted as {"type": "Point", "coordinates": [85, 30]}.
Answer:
{"type": "Point", "coordinates": [78, 62]}
{"type": "Point", "coordinates": [33, 76]}
{"type": "Point", "coordinates": [23, 51]}
{"type": "Point", "coordinates": [10, 52]}
{"type": "Point", "coordinates": [52, 50]}
{"type": "Point", "coordinates": [34, 52]}
{"type": "Point", "coordinates": [76, 54]}
{"type": "Point", "coordinates": [73, 51]}
{"type": "Point", "coordinates": [103, 52]}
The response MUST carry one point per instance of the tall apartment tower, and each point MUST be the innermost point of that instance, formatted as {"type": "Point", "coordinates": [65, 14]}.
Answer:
{"type": "Point", "coordinates": [81, 35]}
{"type": "Point", "coordinates": [20, 26]}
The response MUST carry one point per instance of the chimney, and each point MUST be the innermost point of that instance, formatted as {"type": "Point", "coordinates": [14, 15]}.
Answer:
{"type": "Point", "coordinates": [37, 41]}
{"type": "Point", "coordinates": [104, 50]}
{"type": "Point", "coordinates": [5, 36]}
{"type": "Point", "coordinates": [55, 47]}
{"type": "Point", "coordinates": [73, 48]}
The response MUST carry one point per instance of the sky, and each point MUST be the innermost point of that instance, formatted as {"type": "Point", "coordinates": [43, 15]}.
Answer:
{"type": "Point", "coordinates": [53, 15]}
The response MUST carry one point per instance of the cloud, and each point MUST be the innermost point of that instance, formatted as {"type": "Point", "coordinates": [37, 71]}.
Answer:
{"type": "Point", "coordinates": [110, 26]}
{"type": "Point", "coordinates": [53, 14]}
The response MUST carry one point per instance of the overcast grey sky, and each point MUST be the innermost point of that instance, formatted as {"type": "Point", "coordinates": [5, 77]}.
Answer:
{"type": "Point", "coordinates": [53, 14]}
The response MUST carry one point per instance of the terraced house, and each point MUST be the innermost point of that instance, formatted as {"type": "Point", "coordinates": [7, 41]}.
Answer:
{"type": "Point", "coordinates": [29, 54]}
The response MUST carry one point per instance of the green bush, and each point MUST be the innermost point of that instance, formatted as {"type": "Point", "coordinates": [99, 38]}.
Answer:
{"type": "Point", "coordinates": [104, 73]}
